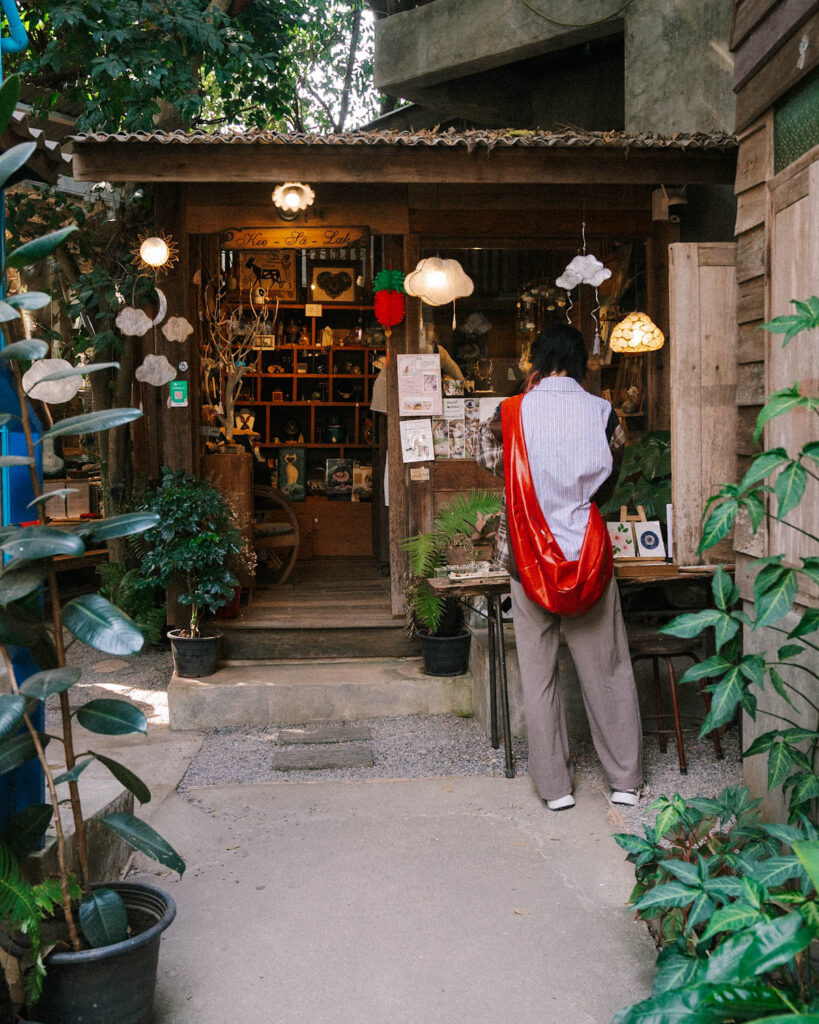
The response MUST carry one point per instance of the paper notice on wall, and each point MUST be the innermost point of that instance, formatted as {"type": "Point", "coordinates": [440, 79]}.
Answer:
{"type": "Point", "coordinates": [416, 440]}
{"type": "Point", "coordinates": [419, 385]}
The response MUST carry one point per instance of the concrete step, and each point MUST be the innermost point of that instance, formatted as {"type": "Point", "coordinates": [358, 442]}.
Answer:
{"type": "Point", "coordinates": [289, 692]}
{"type": "Point", "coordinates": [265, 640]}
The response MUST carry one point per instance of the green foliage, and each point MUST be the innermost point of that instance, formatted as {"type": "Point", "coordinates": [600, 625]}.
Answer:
{"type": "Point", "coordinates": [145, 605]}
{"type": "Point", "coordinates": [733, 901]}
{"type": "Point", "coordinates": [459, 522]}
{"type": "Point", "coordinates": [192, 544]}
{"type": "Point", "coordinates": [273, 62]}
{"type": "Point", "coordinates": [645, 476]}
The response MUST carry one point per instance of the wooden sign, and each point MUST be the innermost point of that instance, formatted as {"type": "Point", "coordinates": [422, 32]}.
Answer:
{"type": "Point", "coordinates": [293, 238]}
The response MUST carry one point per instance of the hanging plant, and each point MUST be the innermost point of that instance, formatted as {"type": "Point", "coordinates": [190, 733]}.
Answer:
{"type": "Point", "coordinates": [389, 302]}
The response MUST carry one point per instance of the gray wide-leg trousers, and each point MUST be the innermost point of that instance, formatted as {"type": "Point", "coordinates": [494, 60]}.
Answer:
{"type": "Point", "coordinates": [599, 647]}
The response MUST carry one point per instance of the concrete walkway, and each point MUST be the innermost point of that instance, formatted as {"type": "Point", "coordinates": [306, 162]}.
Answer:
{"type": "Point", "coordinates": [432, 901]}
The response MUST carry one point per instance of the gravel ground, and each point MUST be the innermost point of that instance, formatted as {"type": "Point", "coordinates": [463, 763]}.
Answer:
{"type": "Point", "coordinates": [403, 747]}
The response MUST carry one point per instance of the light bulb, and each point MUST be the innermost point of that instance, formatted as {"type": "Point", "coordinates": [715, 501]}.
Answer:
{"type": "Point", "coordinates": [154, 251]}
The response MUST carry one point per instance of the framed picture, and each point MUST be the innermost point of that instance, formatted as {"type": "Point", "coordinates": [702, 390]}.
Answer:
{"type": "Point", "coordinates": [331, 281]}
{"type": "Point", "coordinates": [275, 270]}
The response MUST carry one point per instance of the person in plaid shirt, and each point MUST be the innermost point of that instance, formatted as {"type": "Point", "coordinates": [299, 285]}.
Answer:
{"type": "Point", "coordinates": [573, 442]}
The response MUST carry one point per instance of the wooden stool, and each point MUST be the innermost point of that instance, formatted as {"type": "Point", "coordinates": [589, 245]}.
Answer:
{"type": "Point", "coordinates": [648, 643]}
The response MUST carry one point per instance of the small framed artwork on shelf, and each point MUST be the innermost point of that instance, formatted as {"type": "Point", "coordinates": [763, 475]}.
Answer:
{"type": "Point", "coordinates": [275, 271]}
{"type": "Point", "coordinates": [332, 281]}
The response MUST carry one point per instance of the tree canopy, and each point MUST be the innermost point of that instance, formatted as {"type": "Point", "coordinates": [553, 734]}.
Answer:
{"type": "Point", "coordinates": [141, 64]}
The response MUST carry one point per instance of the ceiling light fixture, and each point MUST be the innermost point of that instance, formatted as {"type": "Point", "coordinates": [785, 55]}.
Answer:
{"type": "Point", "coordinates": [291, 198]}
{"type": "Point", "coordinates": [155, 253]}
{"type": "Point", "coordinates": [636, 334]}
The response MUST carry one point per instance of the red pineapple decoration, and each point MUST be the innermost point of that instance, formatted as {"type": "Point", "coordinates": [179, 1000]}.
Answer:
{"type": "Point", "coordinates": [388, 288]}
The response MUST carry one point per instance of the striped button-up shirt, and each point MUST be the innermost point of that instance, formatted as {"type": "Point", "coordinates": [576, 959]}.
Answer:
{"type": "Point", "coordinates": [570, 437]}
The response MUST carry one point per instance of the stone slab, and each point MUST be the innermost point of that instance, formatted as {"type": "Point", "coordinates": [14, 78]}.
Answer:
{"type": "Point", "coordinates": [339, 755]}
{"type": "Point", "coordinates": [303, 692]}
{"type": "Point", "coordinates": [345, 732]}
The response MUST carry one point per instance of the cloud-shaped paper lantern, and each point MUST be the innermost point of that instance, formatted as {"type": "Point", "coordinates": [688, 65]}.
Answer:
{"type": "Point", "coordinates": [583, 270]}
{"type": "Point", "coordinates": [177, 329]}
{"type": "Point", "coordinates": [134, 322]}
{"type": "Point", "coordinates": [437, 282]}
{"type": "Point", "coordinates": [155, 370]}
{"type": "Point", "coordinates": [52, 392]}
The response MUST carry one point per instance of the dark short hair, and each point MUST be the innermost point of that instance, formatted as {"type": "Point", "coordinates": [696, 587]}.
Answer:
{"type": "Point", "coordinates": [559, 347]}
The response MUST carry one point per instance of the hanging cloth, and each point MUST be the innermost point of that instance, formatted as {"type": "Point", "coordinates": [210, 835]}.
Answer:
{"type": "Point", "coordinates": [548, 578]}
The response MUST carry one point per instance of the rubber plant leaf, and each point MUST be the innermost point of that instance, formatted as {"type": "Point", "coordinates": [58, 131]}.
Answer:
{"type": "Point", "coordinates": [42, 542]}
{"type": "Point", "coordinates": [18, 750]}
{"type": "Point", "coordinates": [119, 526]}
{"type": "Point", "coordinates": [12, 708]}
{"type": "Point", "coordinates": [38, 248]}
{"type": "Point", "coordinates": [92, 422]}
{"type": "Point", "coordinates": [125, 776]}
{"type": "Point", "coordinates": [23, 834]}
{"type": "Point", "coordinates": [16, 585]}
{"type": "Point", "coordinates": [103, 918]}
{"type": "Point", "coordinates": [145, 839]}
{"type": "Point", "coordinates": [110, 717]}
{"type": "Point", "coordinates": [41, 685]}
{"type": "Point", "coordinates": [99, 624]}
{"type": "Point", "coordinates": [25, 351]}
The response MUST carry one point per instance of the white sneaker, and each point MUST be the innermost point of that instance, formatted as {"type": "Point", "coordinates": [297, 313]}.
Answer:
{"type": "Point", "coordinates": [563, 803]}
{"type": "Point", "coordinates": [629, 797]}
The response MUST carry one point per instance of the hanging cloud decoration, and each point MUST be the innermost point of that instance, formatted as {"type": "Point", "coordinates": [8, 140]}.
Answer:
{"type": "Point", "coordinates": [177, 329]}
{"type": "Point", "coordinates": [155, 370]}
{"type": "Point", "coordinates": [134, 322]}
{"type": "Point", "coordinates": [583, 270]}
{"type": "Point", "coordinates": [53, 392]}
{"type": "Point", "coordinates": [437, 282]}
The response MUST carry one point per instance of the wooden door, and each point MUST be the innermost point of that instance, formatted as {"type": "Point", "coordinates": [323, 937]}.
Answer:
{"type": "Point", "coordinates": [702, 350]}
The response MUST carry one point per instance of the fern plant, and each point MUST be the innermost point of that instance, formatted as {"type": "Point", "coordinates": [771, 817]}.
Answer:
{"type": "Point", "coordinates": [459, 523]}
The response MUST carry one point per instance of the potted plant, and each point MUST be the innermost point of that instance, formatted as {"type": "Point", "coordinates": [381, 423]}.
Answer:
{"type": "Point", "coordinates": [192, 547]}
{"type": "Point", "coordinates": [438, 621]}
{"type": "Point", "coordinates": [66, 980]}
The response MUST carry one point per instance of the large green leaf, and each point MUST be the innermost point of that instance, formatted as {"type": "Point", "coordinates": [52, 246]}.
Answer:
{"type": "Point", "coordinates": [124, 775]}
{"type": "Point", "coordinates": [787, 1018]}
{"type": "Point", "coordinates": [25, 351]}
{"type": "Point", "coordinates": [29, 300]}
{"type": "Point", "coordinates": [776, 599]}
{"type": "Point", "coordinates": [42, 542]}
{"type": "Point", "coordinates": [120, 526]}
{"type": "Point", "coordinates": [18, 750]}
{"type": "Point", "coordinates": [145, 839]}
{"type": "Point", "coordinates": [692, 624]}
{"type": "Point", "coordinates": [674, 1006]}
{"type": "Point", "coordinates": [76, 371]}
{"type": "Point", "coordinates": [12, 708]}
{"type": "Point", "coordinates": [718, 524]}
{"type": "Point", "coordinates": [779, 764]}
{"type": "Point", "coordinates": [762, 465]}
{"type": "Point", "coordinates": [7, 313]}
{"type": "Point", "coordinates": [19, 626]}
{"type": "Point", "coordinates": [15, 460]}
{"type": "Point", "coordinates": [16, 585]}
{"type": "Point", "coordinates": [675, 968]}
{"type": "Point", "coordinates": [732, 918]}
{"type": "Point", "coordinates": [778, 403]}
{"type": "Point", "coordinates": [103, 918]}
{"type": "Point", "coordinates": [775, 871]}
{"type": "Point", "coordinates": [711, 668]}
{"type": "Point", "coordinates": [99, 624]}
{"type": "Point", "coordinates": [809, 623]}
{"type": "Point", "coordinates": [790, 486]}
{"type": "Point", "coordinates": [808, 854]}
{"type": "Point", "coordinates": [671, 894]}
{"type": "Point", "coordinates": [92, 422]}
{"type": "Point", "coordinates": [15, 158]}
{"type": "Point", "coordinates": [74, 773]}
{"type": "Point", "coordinates": [38, 248]}
{"type": "Point", "coordinates": [53, 680]}
{"type": "Point", "coordinates": [725, 699]}
{"type": "Point", "coordinates": [110, 717]}
{"type": "Point", "coordinates": [9, 95]}
{"type": "Point", "coordinates": [23, 834]}
{"type": "Point", "coordinates": [725, 591]}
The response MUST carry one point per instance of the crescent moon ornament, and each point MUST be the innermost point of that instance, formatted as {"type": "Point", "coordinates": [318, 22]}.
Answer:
{"type": "Point", "coordinates": [163, 307]}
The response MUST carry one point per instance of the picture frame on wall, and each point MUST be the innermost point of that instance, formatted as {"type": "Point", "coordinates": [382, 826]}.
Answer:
{"type": "Point", "coordinates": [275, 270]}
{"type": "Point", "coordinates": [332, 281]}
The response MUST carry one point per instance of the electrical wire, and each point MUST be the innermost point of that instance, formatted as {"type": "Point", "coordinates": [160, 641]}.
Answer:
{"type": "Point", "coordinates": [574, 24]}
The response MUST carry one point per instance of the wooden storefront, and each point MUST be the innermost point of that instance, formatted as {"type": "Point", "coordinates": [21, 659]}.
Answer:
{"type": "Point", "coordinates": [508, 206]}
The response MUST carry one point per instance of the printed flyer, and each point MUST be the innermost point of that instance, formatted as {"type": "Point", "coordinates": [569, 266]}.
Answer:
{"type": "Point", "coordinates": [419, 385]}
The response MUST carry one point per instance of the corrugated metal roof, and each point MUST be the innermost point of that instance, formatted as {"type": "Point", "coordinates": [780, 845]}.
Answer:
{"type": "Point", "coordinates": [470, 140]}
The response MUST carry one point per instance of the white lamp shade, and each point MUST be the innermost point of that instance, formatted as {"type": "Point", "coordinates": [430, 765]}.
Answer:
{"type": "Point", "coordinates": [293, 196]}
{"type": "Point", "coordinates": [437, 282]}
{"type": "Point", "coordinates": [637, 333]}
{"type": "Point", "coordinates": [154, 251]}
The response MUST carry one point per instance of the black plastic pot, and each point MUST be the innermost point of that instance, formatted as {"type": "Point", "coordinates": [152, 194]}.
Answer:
{"type": "Point", "coordinates": [445, 655]}
{"type": "Point", "coordinates": [114, 984]}
{"type": "Point", "coordinates": [194, 656]}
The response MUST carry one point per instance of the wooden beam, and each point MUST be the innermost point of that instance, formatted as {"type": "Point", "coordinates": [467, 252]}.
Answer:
{"type": "Point", "coordinates": [497, 223]}
{"type": "Point", "coordinates": [259, 162]}
{"type": "Point", "coordinates": [769, 34]}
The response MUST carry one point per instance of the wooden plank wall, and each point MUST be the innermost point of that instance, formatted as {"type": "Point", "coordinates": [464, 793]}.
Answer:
{"type": "Point", "coordinates": [703, 396]}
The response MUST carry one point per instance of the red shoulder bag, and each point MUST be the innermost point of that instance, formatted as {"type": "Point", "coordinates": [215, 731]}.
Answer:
{"type": "Point", "coordinates": [547, 577]}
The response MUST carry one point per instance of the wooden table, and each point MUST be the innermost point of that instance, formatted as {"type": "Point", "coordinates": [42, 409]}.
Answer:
{"type": "Point", "coordinates": [492, 588]}
{"type": "Point", "coordinates": [638, 571]}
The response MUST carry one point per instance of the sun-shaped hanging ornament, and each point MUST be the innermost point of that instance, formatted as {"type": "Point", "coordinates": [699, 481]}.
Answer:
{"type": "Point", "coordinates": [156, 254]}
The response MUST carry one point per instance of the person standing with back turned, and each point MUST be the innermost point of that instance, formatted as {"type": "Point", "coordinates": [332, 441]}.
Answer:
{"type": "Point", "coordinates": [553, 446]}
